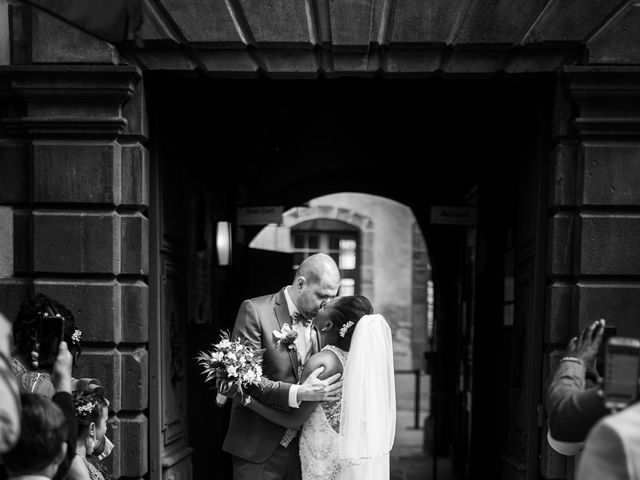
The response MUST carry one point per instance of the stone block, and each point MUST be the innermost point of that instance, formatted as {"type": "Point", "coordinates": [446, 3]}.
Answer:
{"type": "Point", "coordinates": [76, 173]}
{"type": "Point", "coordinates": [135, 244]}
{"type": "Point", "coordinates": [105, 365]}
{"type": "Point", "coordinates": [463, 60]}
{"type": "Point", "coordinates": [95, 306]}
{"type": "Point", "coordinates": [134, 445]}
{"type": "Point", "coordinates": [14, 165]}
{"type": "Point", "coordinates": [54, 41]}
{"type": "Point", "coordinates": [286, 61]}
{"type": "Point", "coordinates": [403, 61]}
{"type": "Point", "coordinates": [134, 175]}
{"type": "Point", "coordinates": [559, 325]}
{"type": "Point", "coordinates": [135, 382]}
{"type": "Point", "coordinates": [6, 240]}
{"type": "Point", "coordinates": [71, 242]}
{"type": "Point", "coordinates": [618, 41]}
{"type": "Point", "coordinates": [561, 243]}
{"type": "Point", "coordinates": [415, 21]}
{"type": "Point", "coordinates": [611, 175]}
{"type": "Point", "coordinates": [135, 312]}
{"type": "Point", "coordinates": [13, 291]}
{"type": "Point", "coordinates": [570, 20]}
{"type": "Point", "coordinates": [203, 21]}
{"type": "Point", "coordinates": [22, 241]}
{"type": "Point", "coordinates": [135, 112]}
{"type": "Point", "coordinates": [609, 244]}
{"type": "Point", "coordinates": [617, 303]}
{"type": "Point", "coordinates": [563, 188]}
{"type": "Point", "coordinates": [280, 21]}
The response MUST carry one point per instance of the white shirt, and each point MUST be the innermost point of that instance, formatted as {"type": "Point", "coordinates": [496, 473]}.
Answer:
{"type": "Point", "coordinates": [302, 342]}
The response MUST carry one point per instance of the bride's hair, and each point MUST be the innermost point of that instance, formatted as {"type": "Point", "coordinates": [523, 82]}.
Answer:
{"type": "Point", "coordinates": [345, 312]}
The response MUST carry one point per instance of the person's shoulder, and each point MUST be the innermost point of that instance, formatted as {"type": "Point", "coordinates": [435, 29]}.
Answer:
{"type": "Point", "coordinates": [326, 359]}
{"type": "Point", "coordinates": [263, 299]}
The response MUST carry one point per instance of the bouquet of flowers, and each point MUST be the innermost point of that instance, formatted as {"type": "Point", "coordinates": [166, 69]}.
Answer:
{"type": "Point", "coordinates": [231, 365]}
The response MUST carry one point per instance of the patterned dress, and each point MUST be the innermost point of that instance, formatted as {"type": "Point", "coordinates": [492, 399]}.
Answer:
{"type": "Point", "coordinates": [319, 437]}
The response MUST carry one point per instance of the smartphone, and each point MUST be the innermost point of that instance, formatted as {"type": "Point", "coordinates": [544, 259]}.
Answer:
{"type": "Point", "coordinates": [622, 369]}
{"type": "Point", "coordinates": [49, 335]}
{"type": "Point", "coordinates": [609, 331]}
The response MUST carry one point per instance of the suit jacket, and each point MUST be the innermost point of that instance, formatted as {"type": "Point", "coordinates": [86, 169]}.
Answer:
{"type": "Point", "coordinates": [572, 408]}
{"type": "Point", "coordinates": [612, 448]}
{"type": "Point", "coordinates": [249, 435]}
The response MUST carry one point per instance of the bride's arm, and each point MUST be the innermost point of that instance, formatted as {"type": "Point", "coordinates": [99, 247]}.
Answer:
{"type": "Point", "coordinates": [294, 418]}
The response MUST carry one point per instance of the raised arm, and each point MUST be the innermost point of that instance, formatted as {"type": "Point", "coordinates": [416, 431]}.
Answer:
{"type": "Point", "coordinates": [322, 365]}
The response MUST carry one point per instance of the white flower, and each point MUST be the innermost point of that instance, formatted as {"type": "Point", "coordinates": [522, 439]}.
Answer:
{"type": "Point", "coordinates": [239, 347]}
{"type": "Point", "coordinates": [232, 356]}
{"type": "Point", "coordinates": [242, 360]}
{"type": "Point", "coordinates": [258, 371]}
{"type": "Point", "coordinates": [217, 356]}
{"type": "Point", "coordinates": [250, 376]}
{"type": "Point", "coordinates": [231, 371]}
{"type": "Point", "coordinates": [224, 344]}
{"type": "Point", "coordinates": [77, 334]}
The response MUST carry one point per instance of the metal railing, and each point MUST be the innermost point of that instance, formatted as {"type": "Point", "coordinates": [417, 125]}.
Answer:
{"type": "Point", "coordinates": [416, 413]}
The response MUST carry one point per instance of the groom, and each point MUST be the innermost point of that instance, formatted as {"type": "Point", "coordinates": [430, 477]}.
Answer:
{"type": "Point", "coordinates": [262, 450]}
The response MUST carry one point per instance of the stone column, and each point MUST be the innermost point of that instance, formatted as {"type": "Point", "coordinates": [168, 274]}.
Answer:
{"type": "Point", "coordinates": [594, 250]}
{"type": "Point", "coordinates": [77, 176]}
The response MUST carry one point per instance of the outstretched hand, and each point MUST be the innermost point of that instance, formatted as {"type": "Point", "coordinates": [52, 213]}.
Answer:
{"type": "Point", "coordinates": [315, 390]}
{"type": "Point", "coordinates": [585, 346]}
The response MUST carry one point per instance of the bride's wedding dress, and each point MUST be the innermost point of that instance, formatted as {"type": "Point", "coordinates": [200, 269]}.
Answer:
{"type": "Point", "coordinates": [350, 438]}
{"type": "Point", "coordinates": [319, 438]}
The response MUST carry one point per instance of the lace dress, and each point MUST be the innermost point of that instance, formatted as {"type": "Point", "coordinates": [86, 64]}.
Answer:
{"type": "Point", "coordinates": [319, 437]}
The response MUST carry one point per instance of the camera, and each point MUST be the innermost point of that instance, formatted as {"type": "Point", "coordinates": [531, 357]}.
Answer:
{"type": "Point", "coordinates": [48, 335]}
{"type": "Point", "coordinates": [621, 371]}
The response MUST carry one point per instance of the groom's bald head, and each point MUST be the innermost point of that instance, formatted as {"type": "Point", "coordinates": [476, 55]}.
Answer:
{"type": "Point", "coordinates": [319, 268]}
{"type": "Point", "coordinates": [317, 281]}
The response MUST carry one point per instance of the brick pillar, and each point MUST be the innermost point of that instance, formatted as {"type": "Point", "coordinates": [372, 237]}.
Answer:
{"type": "Point", "coordinates": [594, 250]}
{"type": "Point", "coordinates": [80, 226]}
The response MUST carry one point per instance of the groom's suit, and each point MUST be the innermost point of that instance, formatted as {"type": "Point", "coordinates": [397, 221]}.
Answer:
{"type": "Point", "coordinates": [251, 437]}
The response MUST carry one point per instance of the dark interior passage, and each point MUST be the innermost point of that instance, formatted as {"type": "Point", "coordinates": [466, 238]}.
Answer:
{"type": "Point", "coordinates": [473, 142]}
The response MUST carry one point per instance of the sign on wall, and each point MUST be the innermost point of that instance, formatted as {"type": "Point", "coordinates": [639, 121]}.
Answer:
{"type": "Point", "coordinates": [259, 215]}
{"type": "Point", "coordinates": [453, 215]}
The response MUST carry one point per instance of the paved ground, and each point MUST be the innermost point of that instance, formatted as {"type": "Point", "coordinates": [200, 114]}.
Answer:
{"type": "Point", "coordinates": [408, 461]}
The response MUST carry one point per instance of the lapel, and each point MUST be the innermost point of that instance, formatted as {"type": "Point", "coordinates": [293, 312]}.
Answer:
{"type": "Point", "coordinates": [283, 316]}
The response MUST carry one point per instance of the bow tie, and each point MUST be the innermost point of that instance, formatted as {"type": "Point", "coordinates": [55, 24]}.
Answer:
{"type": "Point", "coordinates": [299, 318]}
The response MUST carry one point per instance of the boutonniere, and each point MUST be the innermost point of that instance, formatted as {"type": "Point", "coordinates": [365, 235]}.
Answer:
{"type": "Point", "coordinates": [286, 336]}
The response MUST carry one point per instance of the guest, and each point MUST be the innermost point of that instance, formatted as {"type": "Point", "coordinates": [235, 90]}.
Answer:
{"type": "Point", "coordinates": [574, 400]}
{"type": "Point", "coordinates": [612, 448]}
{"type": "Point", "coordinates": [48, 428]}
{"type": "Point", "coordinates": [92, 413]}
{"type": "Point", "coordinates": [9, 395]}
{"type": "Point", "coordinates": [24, 362]}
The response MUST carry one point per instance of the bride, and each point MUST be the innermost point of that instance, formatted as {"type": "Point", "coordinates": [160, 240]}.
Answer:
{"type": "Point", "coordinates": [349, 438]}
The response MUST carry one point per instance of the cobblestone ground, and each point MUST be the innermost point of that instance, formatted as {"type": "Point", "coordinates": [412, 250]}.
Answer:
{"type": "Point", "coordinates": [408, 460]}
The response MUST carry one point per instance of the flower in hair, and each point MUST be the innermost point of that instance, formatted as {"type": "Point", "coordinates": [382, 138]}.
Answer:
{"type": "Point", "coordinates": [345, 328]}
{"type": "Point", "coordinates": [85, 408]}
{"type": "Point", "coordinates": [77, 334]}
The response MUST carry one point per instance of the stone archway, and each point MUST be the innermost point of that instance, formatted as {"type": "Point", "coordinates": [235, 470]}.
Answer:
{"type": "Point", "coordinates": [363, 223]}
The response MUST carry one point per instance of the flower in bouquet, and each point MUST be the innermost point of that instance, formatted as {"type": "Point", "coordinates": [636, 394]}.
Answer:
{"type": "Point", "coordinates": [232, 365]}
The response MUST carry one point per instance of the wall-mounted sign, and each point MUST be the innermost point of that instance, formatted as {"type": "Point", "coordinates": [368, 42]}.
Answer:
{"type": "Point", "coordinates": [259, 215]}
{"type": "Point", "coordinates": [453, 215]}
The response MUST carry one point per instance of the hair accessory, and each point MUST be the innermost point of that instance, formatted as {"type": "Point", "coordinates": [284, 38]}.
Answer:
{"type": "Point", "coordinates": [345, 327]}
{"type": "Point", "coordinates": [86, 408]}
{"type": "Point", "coordinates": [77, 334]}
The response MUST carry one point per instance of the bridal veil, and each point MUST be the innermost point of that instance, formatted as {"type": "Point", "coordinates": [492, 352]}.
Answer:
{"type": "Point", "coordinates": [368, 410]}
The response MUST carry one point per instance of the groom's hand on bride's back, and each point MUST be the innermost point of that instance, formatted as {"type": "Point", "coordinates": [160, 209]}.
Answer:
{"type": "Point", "coordinates": [316, 390]}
